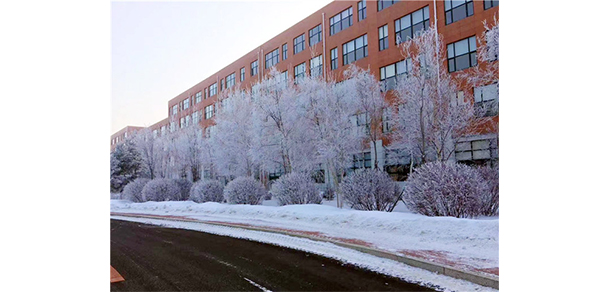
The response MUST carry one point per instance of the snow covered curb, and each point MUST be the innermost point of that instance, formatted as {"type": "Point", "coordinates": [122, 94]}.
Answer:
{"type": "Point", "coordinates": [327, 249]}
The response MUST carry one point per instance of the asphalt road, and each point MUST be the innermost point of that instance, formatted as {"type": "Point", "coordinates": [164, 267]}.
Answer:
{"type": "Point", "coordinates": [154, 258]}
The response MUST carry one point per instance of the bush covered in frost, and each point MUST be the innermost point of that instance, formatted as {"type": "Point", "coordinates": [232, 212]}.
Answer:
{"type": "Point", "coordinates": [490, 202]}
{"type": "Point", "coordinates": [244, 190]}
{"type": "Point", "coordinates": [296, 188]}
{"type": "Point", "coordinates": [370, 190]}
{"type": "Point", "coordinates": [445, 189]}
{"type": "Point", "coordinates": [185, 188]}
{"type": "Point", "coordinates": [206, 191]}
{"type": "Point", "coordinates": [133, 190]}
{"type": "Point", "coordinates": [161, 189]}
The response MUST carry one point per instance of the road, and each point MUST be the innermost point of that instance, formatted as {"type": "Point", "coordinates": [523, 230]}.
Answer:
{"type": "Point", "coordinates": [155, 258]}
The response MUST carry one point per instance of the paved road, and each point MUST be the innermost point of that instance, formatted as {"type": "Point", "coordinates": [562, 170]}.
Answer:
{"type": "Point", "coordinates": [154, 258]}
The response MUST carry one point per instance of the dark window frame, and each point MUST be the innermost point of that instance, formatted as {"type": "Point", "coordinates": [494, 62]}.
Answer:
{"type": "Point", "coordinates": [299, 75]}
{"type": "Point", "coordinates": [254, 68]}
{"type": "Point", "coordinates": [361, 10]}
{"type": "Point", "coordinates": [408, 31]}
{"type": "Point", "coordinates": [315, 35]}
{"type": "Point", "coordinates": [334, 62]}
{"type": "Point", "coordinates": [450, 10]}
{"type": "Point", "coordinates": [347, 53]}
{"type": "Point", "coordinates": [298, 43]}
{"type": "Point", "coordinates": [337, 21]}
{"type": "Point", "coordinates": [472, 54]}
{"type": "Point", "coordinates": [272, 58]}
{"type": "Point", "coordinates": [487, 4]}
{"type": "Point", "coordinates": [285, 51]}
{"type": "Point", "coordinates": [242, 74]}
{"type": "Point", "coordinates": [384, 42]}
{"type": "Point", "coordinates": [383, 4]}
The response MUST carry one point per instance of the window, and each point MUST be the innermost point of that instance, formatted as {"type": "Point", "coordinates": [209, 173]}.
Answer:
{"type": "Point", "coordinates": [489, 4]}
{"type": "Point", "coordinates": [272, 58]}
{"type": "Point", "coordinates": [333, 59]}
{"type": "Point", "coordinates": [196, 117]}
{"type": "Point", "coordinates": [361, 10]}
{"type": "Point", "coordinates": [462, 54]}
{"type": "Point", "coordinates": [362, 160]}
{"type": "Point", "coordinates": [242, 74]}
{"type": "Point", "coordinates": [205, 93]}
{"type": "Point", "coordinates": [383, 37]}
{"type": "Point", "coordinates": [185, 104]}
{"type": "Point", "coordinates": [230, 80]}
{"type": "Point", "coordinates": [315, 35]}
{"type": "Point", "coordinates": [209, 111]}
{"type": "Point", "coordinates": [381, 5]}
{"type": "Point", "coordinates": [341, 21]}
{"type": "Point", "coordinates": [363, 122]}
{"type": "Point", "coordinates": [299, 44]}
{"type": "Point", "coordinates": [409, 25]}
{"type": "Point", "coordinates": [390, 73]}
{"type": "Point", "coordinates": [187, 121]}
{"type": "Point", "coordinates": [198, 97]}
{"type": "Point", "coordinates": [487, 98]}
{"type": "Point", "coordinates": [479, 148]}
{"type": "Point", "coordinates": [284, 51]}
{"type": "Point", "coordinates": [222, 84]}
{"type": "Point", "coordinates": [355, 49]}
{"type": "Point", "coordinates": [315, 66]}
{"type": "Point", "coordinates": [299, 72]}
{"type": "Point", "coordinates": [254, 68]}
{"type": "Point", "coordinates": [284, 77]}
{"type": "Point", "coordinates": [182, 124]}
{"type": "Point", "coordinates": [386, 119]}
{"type": "Point", "coordinates": [174, 110]}
{"type": "Point", "coordinates": [172, 127]}
{"type": "Point", "coordinates": [213, 89]}
{"type": "Point", "coordinates": [458, 10]}
{"type": "Point", "coordinates": [163, 130]}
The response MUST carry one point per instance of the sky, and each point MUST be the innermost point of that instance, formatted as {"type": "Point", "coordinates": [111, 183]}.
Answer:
{"type": "Point", "coordinates": [160, 49]}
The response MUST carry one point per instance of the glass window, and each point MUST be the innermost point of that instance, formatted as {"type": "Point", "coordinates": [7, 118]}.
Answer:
{"type": "Point", "coordinates": [284, 51]}
{"type": "Point", "coordinates": [230, 80]}
{"type": "Point", "coordinates": [209, 111]}
{"type": "Point", "coordinates": [272, 58]}
{"type": "Point", "coordinates": [175, 109]}
{"type": "Point", "coordinates": [213, 90]}
{"type": "Point", "coordinates": [242, 74]}
{"type": "Point", "coordinates": [489, 4]}
{"type": "Point", "coordinates": [299, 72]}
{"type": "Point", "coordinates": [299, 44]}
{"type": "Point", "coordinates": [381, 4]}
{"type": "Point", "coordinates": [458, 10]}
{"type": "Point", "coordinates": [198, 97]}
{"type": "Point", "coordinates": [355, 49]}
{"type": "Point", "coordinates": [408, 26]}
{"type": "Point", "coordinates": [315, 66]}
{"type": "Point", "coordinates": [254, 68]}
{"type": "Point", "coordinates": [462, 54]}
{"type": "Point", "coordinates": [341, 21]}
{"type": "Point", "coordinates": [361, 10]}
{"type": "Point", "coordinates": [334, 63]}
{"type": "Point", "coordinates": [383, 37]}
{"type": "Point", "coordinates": [185, 104]}
{"type": "Point", "coordinates": [315, 35]}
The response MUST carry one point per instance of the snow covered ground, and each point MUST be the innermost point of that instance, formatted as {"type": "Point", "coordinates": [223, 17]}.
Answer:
{"type": "Point", "coordinates": [472, 242]}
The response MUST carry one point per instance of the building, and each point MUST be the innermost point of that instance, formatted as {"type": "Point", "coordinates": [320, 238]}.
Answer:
{"type": "Point", "coordinates": [121, 135]}
{"type": "Point", "coordinates": [364, 33]}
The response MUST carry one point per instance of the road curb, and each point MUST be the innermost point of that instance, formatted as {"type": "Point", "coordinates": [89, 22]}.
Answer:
{"type": "Point", "coordinates": [477, 278]}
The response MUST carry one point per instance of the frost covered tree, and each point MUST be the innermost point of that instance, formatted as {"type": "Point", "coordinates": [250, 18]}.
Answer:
{"type": "Point", "coordinates": [372, 190]}
{"type": "Point", "coordinates": [446, 189]}
{"type": "Point", "coordinates": [366, 91]}
{"type": "Point", "coordinates": [490, 201]}
{"type": "Point", "coordinates": [244, 190]}
{"type": "Point", "coordinates": [430, 116]}
{"type": "Point", "coordinates": [206, 191]}
{"type": "Point", "coordinates": [161, 189]}
{"type": "Point", "coordinates": [151, 151]}
{"type": "Point", "coordinates": [133, 190]}
{"type": "Point", "coordinates": [276, 123]}
{"type": "Point", "coordinates": [125, 165]}
{"type": "Point", "coordinates": [327, 111]}
{"type": "Point", "coordinates": [189, 151]}
{"type": "Point", "coordinates": [296, 188]}
{"type": "Point", "coordinates": [185, 188]}
{"type": "Point", "coordinates": [232, 141]}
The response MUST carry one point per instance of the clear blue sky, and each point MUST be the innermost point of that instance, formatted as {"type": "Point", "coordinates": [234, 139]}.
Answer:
{"type": "Point", "coordinates": [160, 49]}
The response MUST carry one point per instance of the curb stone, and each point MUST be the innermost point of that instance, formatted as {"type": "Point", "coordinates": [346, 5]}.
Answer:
{"type": "Point", "coordinates": [473, 277]}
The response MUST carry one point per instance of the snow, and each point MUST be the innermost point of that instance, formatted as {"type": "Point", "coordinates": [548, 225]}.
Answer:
{"type": "Point", "coordinates": [346, 255]}
{"type": "Point", "coordinates": [470, 241]}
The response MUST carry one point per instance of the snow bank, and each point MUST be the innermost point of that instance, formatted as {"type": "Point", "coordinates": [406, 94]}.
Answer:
{"type": "Point", "coordinates": [463, 238]}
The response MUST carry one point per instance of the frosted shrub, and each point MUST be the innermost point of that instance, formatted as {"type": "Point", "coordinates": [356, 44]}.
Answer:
{"type": "Point", "coordinates": [161, 189]}
{"type": "Point", "coordinates": [133, 190]}
{"type": "Point", "coordinates": [445, 189]}
{"type": "Point", "coordinates": [185, 188]}
{"type": "Point", "coordinates": [370, 190]}
{"type": "Point", "coordinates": [244, 190]}
{"type": "Point", "coordinates": [206, 191]}
{"type": "Point", "coordinates": [490, 202]}
{"type": "Point", "coordinates": [296, 188]}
